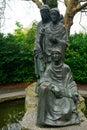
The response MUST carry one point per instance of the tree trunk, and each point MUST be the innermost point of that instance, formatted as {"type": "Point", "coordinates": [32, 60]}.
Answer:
{"type": "Point", "coordinates": [71, 10]}
{"type": "Point", "coordinates": [68, 20]}
{"type": "Point", "coordinates": [38, 3]}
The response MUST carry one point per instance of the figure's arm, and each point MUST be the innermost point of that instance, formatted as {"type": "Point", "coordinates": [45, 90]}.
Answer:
{"type": "Point", "coordinates": [72, 87]}
{"type": "Point", "coordinates": [56, 90]}
{"type": "Point", "coordinates": [62, 39]}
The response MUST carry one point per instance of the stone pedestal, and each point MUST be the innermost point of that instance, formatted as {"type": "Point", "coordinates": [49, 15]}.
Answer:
{"type": "Point", "coordinates": [29, 119]}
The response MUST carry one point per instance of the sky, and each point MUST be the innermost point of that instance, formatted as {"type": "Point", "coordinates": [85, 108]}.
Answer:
{"type": "Point", "coordinates": [25, 12]}
{"type": "Point", "coordinates": [21, 11]}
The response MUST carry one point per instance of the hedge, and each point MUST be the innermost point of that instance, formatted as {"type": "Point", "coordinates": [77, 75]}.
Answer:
{"type": "Point", "coordinates": [16, 57]}
{"type": "Point", "coordinates": [17, 61]}
{"type": "Point", "coordinates": [76, 56]}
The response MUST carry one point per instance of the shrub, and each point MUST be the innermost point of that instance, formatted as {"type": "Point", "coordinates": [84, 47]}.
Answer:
{"type": "Point", "coordinates": [17, 61]}
{"type": "Point", "coordinates": [76, 56]}
{"type": "Point", "coordinates": [16, 55]}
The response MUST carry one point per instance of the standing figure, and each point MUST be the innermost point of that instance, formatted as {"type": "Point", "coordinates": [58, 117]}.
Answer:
{"type": "Point", "coordinates": [58, 94]}
{"type": "Point", "coordinates": [39, 55]}
{"type": "Point", "coordinates": [56, 34]}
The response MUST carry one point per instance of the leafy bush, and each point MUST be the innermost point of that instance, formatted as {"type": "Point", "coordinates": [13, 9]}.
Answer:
{"type": "Point", "coordinates": [17, 63]}
{"type": "Point", "coordinates": [76, 56]}
{"type": "Point", "coordinates": [30, 36]}
{"type": "Point", "coordinates": [16, 56]}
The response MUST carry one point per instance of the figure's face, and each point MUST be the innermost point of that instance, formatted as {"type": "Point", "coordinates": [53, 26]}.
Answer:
{"type": "Point", "coordinates": [54, 17]}
{"type": "Point", "coordinates": [56, 56]}
{"type": "Point", "coordinates": [45, 14]}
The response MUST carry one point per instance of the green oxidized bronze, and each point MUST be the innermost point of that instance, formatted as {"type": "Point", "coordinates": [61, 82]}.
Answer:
{"type": "Point", "coordinates": [57, 91]}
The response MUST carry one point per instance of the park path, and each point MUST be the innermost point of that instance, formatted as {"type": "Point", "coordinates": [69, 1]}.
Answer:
{"type": "Point", "coordinates": [12, 91]}
{"type": "Point", "coordinates": [16, 91]}
{"type": "Point", "coordinates": [11, 95]}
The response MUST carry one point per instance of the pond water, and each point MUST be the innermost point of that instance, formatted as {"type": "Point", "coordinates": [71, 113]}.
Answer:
{"type": "Point", "coordinates": [11, 113]}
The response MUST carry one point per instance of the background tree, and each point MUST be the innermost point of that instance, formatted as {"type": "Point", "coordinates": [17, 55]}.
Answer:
{"type": "Point", "coordinates": [72, 8]}
{"type": "Point", "coordinates": [2, 8]}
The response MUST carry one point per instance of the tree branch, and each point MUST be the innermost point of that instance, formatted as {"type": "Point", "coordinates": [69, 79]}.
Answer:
{"type": "Point", "coordinates": [66, 2]}
{"type": "Point", "coordinates": [37, 2]}
{"type": "Point", "coordinates": [82, 0]}
{"type": "Point", "coordinates": [81, 7]}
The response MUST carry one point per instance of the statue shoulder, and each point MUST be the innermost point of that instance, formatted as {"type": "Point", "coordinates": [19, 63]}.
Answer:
{"type": "Point", "coordinates": [39, 24]}
{"type": "Point", "coordinates": [62, 25]}
{"type": "Point", "coordinates": [67, 67]}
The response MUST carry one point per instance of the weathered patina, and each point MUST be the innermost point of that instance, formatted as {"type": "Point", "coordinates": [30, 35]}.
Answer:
{"type": "Point", "coordinates": [57, 91]}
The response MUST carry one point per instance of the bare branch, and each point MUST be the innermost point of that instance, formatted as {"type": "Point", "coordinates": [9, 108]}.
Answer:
{"type": "Point", "coordinates": [66, 2]}
{"type": "Point", "coordinates": [2, 8]}
{"type": "Point", "coordinates": [82, 0]}
{"type": "Point", "coordinates": [81, 7]}
{"type": "Point", "coordinates": [37, 2]}
{"type": "Point", "coordinates": [80, 23]}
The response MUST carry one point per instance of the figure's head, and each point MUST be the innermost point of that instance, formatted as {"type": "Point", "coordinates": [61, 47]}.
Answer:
{"type": "Point", "coordinates": [55, 15]}
{"type": "Point", "coordinates": [56, 55]}
{"type": "Point", "coordinates": [45, 13]}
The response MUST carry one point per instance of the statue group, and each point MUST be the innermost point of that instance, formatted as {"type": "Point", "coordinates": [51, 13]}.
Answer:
{"type": "Point", "coordinates": [57, 91]}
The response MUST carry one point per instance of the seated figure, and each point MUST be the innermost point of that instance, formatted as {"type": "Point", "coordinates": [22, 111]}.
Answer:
{"type": "Point", "coordinates": [58, 94]}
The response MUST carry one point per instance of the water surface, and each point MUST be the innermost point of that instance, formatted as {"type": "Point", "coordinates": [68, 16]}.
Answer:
{"type": "Point", "coordinates": [11, 113]}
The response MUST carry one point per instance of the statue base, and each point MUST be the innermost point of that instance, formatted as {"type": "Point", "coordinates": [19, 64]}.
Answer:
{"type": "Point", "coordinates": [29, 123]}
{"type": "Point", "coordinates": [29, 119]}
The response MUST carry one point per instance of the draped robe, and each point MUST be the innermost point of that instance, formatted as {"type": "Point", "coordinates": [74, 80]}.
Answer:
{"type": "Point", "coordinates": [59, 33]}
{"type": "Point", "coordinates": [57, 109]}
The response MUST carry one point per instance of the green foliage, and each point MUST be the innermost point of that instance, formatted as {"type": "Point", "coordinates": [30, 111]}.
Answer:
{"type": "Point", "coordinates": [19, 33]}
{"type": "Point", "coordinates": [16, 56]}
{"type": "Point", "coordinates": [30, 36]}
{"type": "Point", "coordinates": [76, 56]}
{"type": "Point", "coordinates": [51, 3]}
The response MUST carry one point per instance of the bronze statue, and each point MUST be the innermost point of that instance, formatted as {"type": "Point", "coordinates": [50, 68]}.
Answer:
{"type": "Point", "coordinates": [39, 46]}
{"type": "Point", "coordinates": [57, 91]}
{"type": "Point", "coordinates": [57, 33]}
{"type": "Point", "coordinates": [55, 36]}
{"type": "Point", "coordinates": [58, 95]}
{"type": "Point", "coordinates": [40, 41]}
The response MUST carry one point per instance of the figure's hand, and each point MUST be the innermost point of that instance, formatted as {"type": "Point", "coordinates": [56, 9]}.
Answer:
{"type": "Point", "coordinates": [55, 90]}
{"type": "Point", "coordinates": [53, 39]}
{"type": "Point", "coordinates": [43, 87]}
{"type": "Point", "coordinates": [40, 56]}
{"type": "Point", "coordinates": [42, 31]}
{"type": "Point", "coordinates": [51, 88]}
{"type": "Point", "coordinates": [58, 94]}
